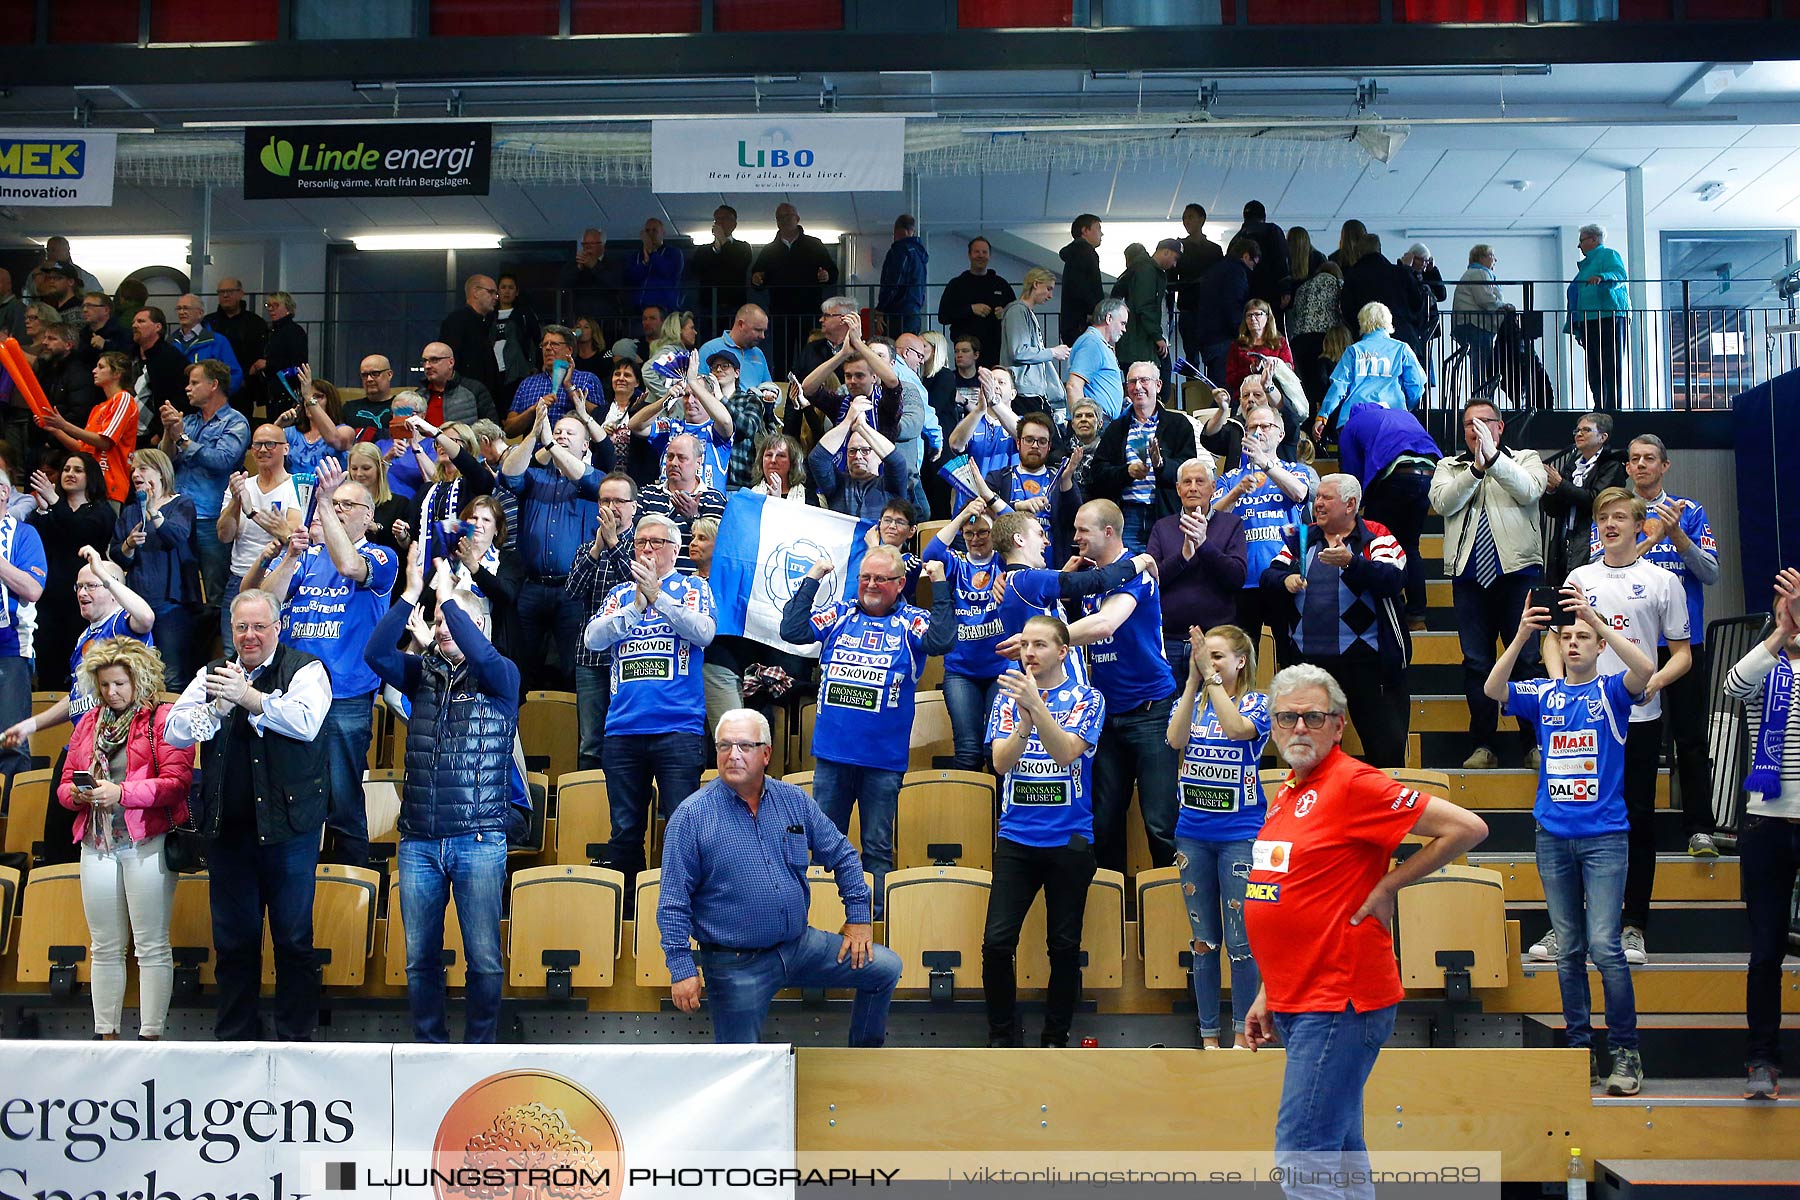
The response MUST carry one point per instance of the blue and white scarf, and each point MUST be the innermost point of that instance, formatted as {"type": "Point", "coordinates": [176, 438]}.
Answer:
{"type": "Point", "coordinates": [1778, 702]}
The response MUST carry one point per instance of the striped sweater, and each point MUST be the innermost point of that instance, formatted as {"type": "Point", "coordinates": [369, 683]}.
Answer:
{"type": "Point", "coordinates": [1745, 682]}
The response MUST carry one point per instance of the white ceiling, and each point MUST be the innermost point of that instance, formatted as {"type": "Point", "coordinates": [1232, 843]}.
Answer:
{"type": "Point", "coordinates": [1455, 178]}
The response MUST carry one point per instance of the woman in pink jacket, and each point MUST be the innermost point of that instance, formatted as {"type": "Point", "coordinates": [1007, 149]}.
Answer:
{"type": "Point", "coordinates": [133, 790]}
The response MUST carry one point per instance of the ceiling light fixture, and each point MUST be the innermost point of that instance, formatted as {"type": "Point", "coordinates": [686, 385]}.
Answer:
{"type": "Point", "coordinates": [446, 239]}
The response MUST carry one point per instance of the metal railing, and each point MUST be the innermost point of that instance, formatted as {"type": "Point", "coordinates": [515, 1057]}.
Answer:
{"type": "Point", "coordinates": [1686, 356]}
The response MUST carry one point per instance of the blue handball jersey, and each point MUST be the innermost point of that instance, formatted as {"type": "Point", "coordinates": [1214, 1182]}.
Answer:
{"type": "Point", "coordinates": [868, 671]}
{"type": "Point", "coordinates": [1219, 790]}
{"type": "Point", "coordinates": [1036, 592]}
{"type": "Point", "coordinates": [1129, 667]}
{"type": "Point", "coordinates": [117, 625]}
{"type": "Point", "coordinates": [1267, 513]}
{"type": "Point", "coordinates": [1581, 734]}
{"type": "Point", "coordinates": [656, 681]}
{"type": "Point", "coordinates": [1042, 803]}
{"type": "Point", "coordinates": [978, 628]}
{"type": "Point", "coordinates": [331, 615]}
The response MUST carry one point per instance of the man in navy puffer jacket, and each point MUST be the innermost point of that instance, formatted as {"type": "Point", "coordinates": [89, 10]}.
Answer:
{"type": "Point", "coordinates": [456, 802]}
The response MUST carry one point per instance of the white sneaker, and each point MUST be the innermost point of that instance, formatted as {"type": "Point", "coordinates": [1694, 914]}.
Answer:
{"type": "Point", "coordinates": [1534, 758]}
{"type": "Point", "coordinates": [1545, 948]}
{"type": "Point", "coordinates": [1634, 947]}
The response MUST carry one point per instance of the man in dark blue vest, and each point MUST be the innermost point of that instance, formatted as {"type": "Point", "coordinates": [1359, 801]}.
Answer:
{"type": "Point", "coordinates": [457, 802]}
{"type": "Point", "coordinates": [256, 715]}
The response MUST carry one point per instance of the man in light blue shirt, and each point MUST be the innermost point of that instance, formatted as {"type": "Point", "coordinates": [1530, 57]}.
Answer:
{"type": "Point", "coordinates": [206, 446]}
{"type": "Point", "coordinates": [1093, 367]}
{"type": "Point", "coordinates": [744, 339]}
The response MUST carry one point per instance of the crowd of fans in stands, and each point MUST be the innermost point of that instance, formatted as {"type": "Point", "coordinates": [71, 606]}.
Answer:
{"type": "Point", "coordinates": [549, 505]}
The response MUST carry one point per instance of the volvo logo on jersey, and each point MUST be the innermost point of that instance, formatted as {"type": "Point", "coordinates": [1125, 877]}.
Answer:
{"type": "Point", "coordinates": [286, 162]}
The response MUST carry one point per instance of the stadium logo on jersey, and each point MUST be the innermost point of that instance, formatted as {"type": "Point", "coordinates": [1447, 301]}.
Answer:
{"type": "Point", "coordinates": [1305, 804]}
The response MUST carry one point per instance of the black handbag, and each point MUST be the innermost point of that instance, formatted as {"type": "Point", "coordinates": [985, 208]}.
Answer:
{"type": "Point", "coordinates": [184, 846]}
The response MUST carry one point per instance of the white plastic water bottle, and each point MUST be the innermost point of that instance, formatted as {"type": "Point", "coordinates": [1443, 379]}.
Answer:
{"type": "Point", "coordinates": [1577, 1175]}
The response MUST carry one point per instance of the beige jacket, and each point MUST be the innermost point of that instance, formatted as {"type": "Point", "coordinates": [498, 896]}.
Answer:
{"type": "Point", "coordinates": [1508, 490]}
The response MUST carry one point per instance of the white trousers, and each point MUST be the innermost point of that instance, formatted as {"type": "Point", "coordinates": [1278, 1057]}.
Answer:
{"type": "Point", "coordinates": [128, 892]}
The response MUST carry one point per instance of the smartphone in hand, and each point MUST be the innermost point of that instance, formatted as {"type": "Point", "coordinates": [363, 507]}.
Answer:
{"type": "Point", "coordinates": [1551, 598]}
{"type": "Point", "coordinates": [83, 781]}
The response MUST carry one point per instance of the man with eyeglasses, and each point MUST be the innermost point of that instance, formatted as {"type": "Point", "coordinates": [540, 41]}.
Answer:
{"type": "Point", "coordinates": [264, 793]}
{"type": "Point", "coordinates": [872, 652]}
{"type": "Point", "coordinates": [1268, 495]}
{"type": "Point", "coordinates": [336, 590]}
{"type": "Point", "coordinates": [1032, 485]}
{"type": "Point", "coordinates": [1319, 911]}
{"type": "Point", "coordinates": [1344, 578]}
{"type": "Point", "coordinates": [657, 626]}
{"type": "Point", "coordinates": [603, 564]}
{"type": "Point", "coordinates": [257, 510]}
{"type": "Point", "coordinates": [871, 473]}
{"type": "Point", "coordinates": [452, 398]}
{"type": "Point", "coordinates": [237, 323]}
{"type": "Point", "coordinates": [734, 880]}
{"type": "Point", "coordinates": [100, 330]}
{"type": "Point", "coordinates": [196, 341]}
{"type": "Point", "coordinates": [1494, 555]}
{"type": "Point", "coordinates": [575, 393]}
{"type": "Point", "coordinates": [369, 416]}
{"type": "Point", "coordinates": [469, 331]}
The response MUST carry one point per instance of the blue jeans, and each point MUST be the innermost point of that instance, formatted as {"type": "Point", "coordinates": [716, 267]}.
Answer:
{"type": "Point", "coordinates": [837, 787]}
{"type": "Point", "coordinates": [472, 867]}
{"type": "Point", "coordinates": [1134, 749]}
{"type": "Point", "coordinates": [1584, 887]}
{"type": "Point", "coordinates": [593, 694]}
{"type": "Point", "coordinates": [215, 560]}
{"type": "Point", "coordinates": [1138, 520]}
{"type": "Point", "coordinates": [739, 985]}
{"type": "Point", "coordinates": [969, 701]}
{"type": "Point", "coordinates": [248, 879]}
{"type": "Point", "coordinates": [345, 734]}
{"type": "Point", "coordinates": [1319, 1128]}
{"type": "Point", "coordinates": [174, 634]}
{"type": "Point", "coordinates": [1177, 653]}
{"type": "Point", "coordinates": [1213, 875]}
{"type": "Point", "coordinates": [546, 610]}
{"type": "Point", "coordinates": [675, 760]}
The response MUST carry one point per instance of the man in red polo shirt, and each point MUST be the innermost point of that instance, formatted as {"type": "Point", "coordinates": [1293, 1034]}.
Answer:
{"type": "Point", "coordinates": [1318, 909]}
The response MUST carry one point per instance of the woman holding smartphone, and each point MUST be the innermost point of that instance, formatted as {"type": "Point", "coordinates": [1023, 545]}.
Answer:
{"type": "Point", "coordinates": [127, 789]}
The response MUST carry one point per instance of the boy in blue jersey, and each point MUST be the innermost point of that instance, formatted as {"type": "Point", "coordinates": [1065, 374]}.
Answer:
{"type": "Point", "coordinates": [1043, 730]}
{"type": "Point", "coordinates": [657, 626]}
{"type": "Point", "coordinates": [872, 652]}
{"type": "Point", "coordinates": [972, 667]}
{"type": "Point", "coordinates": [1123, 630]}
{"type": "Point", "coordinates": [335, 591]}
{"type": "Point", "coordinates": [1582, 827]}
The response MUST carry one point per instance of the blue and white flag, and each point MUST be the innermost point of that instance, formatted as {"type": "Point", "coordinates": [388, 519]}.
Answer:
{"type": "Point", "coordinates": [765, 547]}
